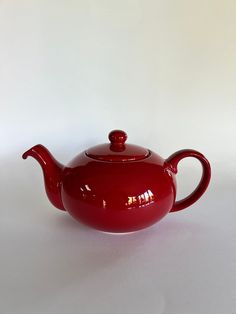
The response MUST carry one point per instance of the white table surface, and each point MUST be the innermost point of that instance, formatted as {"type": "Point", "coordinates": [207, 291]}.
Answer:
{"type": "Point", "coordinates": [52, 264]}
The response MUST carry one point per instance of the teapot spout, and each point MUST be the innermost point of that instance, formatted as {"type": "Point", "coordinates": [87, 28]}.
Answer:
{"type": "Point", "coordinates": [52, 171]}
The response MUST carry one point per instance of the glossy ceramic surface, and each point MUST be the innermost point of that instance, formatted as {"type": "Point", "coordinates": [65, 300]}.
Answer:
{"type": "Point", "coordinates": [117, 187]}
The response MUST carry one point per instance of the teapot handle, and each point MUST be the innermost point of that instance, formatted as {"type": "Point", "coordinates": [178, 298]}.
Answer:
{"type": "Point", "coordinates": [173, 161]}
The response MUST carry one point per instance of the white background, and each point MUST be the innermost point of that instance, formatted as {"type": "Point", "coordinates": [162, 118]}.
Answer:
{"type": "Point", "coordinates": [165, 72]}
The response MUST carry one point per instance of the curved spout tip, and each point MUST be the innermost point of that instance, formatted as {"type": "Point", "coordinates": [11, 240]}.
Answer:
{"type": "Point", "coordinates": [31, 151]}
{"type": "Point", "coordinates": [26, 154]}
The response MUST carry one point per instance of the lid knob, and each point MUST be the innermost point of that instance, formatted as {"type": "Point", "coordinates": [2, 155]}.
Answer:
{"type": "Point", "coordinates": [117, 137]}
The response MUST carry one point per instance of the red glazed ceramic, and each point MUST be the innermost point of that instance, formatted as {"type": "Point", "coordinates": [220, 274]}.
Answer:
{"type": "Point", "coordinates": [117, 187]}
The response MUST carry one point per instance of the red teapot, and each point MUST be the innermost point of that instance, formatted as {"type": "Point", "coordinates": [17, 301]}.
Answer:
{"type": "Point", "coordinates": [117, 187]}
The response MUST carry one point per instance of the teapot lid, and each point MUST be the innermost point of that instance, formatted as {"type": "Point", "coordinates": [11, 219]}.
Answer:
{"type": "Point", "coordinates": [117, 149]}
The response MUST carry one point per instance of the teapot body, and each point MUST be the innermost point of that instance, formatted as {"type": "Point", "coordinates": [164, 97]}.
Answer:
{"type": "Point", "coordinates": [118, 196]}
